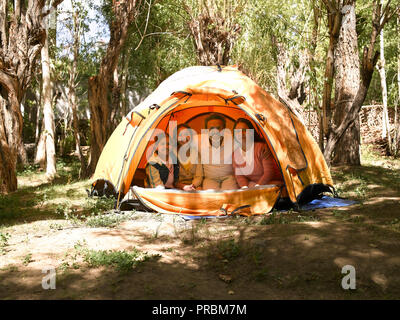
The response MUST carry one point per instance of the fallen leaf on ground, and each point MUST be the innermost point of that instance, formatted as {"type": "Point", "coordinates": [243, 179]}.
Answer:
{"type": "Point", "coordinates": [225, 278]}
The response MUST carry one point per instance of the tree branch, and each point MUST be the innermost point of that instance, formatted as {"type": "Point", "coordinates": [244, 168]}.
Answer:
{"type": "Point", "coordinates": [145, 27]}
{"type": "Point", "coordinates": [3, 23]}
{"type": "Point", "coordinates": [52, 7]}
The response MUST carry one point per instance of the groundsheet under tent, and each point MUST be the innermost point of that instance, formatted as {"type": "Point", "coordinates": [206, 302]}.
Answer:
{"type": "Point", "coordinates": [323, 202]}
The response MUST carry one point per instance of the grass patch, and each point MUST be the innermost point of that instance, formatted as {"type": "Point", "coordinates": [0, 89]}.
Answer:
{"type": "Point", "coordinates": [377, 174]}
{"type": "Point", "coordinates": [261, 274]}
{"type": "Point", "coordinates": [63, 198]}
{"type": "Point", "coordinates": [352, 184]}
{"type": "Point", "coordinates": [95, 213]}
{"type": "Point", "coordinates": [286, 218]}
{"type": "Point", "coordinates": [37, 198]}
{"type": "Point", "coordinates": [29, 169]}
{"type": "Point", "coordinates": [340, 214]}
{"type": "Point", "coordinates": [109, 220]}
{"type": "Point", "coordinates": [194, 235]}
{"type": "Point", "coordinates": [121, 260]}
{"type": "Point", "coordinates": [4, 237]}
{"type": "Point", "coordinates": [56, 226]}
{"type": "Point", "coordinates": [274, 218]}
{"type": "Point", "coordinates": [27, 259]}
{"type": "Point", "coordinates": [356, 219]}
{"type": "Point", "coordinates": [99, 205]}
{"type": "Point", "coordinates": [228, 249]}
{"type": "Point", "coordinates": [306, 218]}
{"type": "Point", "coordinates": [394, 224]}
{"type": "Point", "coordinates": [345, 216]}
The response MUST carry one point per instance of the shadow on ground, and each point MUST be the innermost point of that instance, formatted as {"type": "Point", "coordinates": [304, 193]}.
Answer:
{"type": "Point", "coordinates": [295, 256]}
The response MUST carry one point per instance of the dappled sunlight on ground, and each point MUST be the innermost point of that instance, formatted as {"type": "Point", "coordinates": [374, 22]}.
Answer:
{"type": "Point", "coordinates": [373, 253]}
{"type": "Point", "coordinates": [377, 200]}
{"type": "Point", "coordinates": [291, 255]}
{"type": "Point", "coordinates": [380, 279]}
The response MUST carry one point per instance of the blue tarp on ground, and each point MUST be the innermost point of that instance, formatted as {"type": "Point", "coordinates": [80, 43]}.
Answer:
{"type": "Point", "coordinates": [324, 202]}
{"type": "Point", "coordinates": [327, 202]}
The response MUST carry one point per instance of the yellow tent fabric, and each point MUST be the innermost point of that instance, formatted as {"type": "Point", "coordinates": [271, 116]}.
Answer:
{"type": "Point", "coordinates": [187, 96]}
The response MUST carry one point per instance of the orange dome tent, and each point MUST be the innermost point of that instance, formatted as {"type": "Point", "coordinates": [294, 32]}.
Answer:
{"type": "Point", "coordinates": [187, 97]}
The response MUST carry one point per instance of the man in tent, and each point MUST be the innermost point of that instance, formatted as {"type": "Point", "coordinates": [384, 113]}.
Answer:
{"type": "Point", "coordinates": [215, 160]}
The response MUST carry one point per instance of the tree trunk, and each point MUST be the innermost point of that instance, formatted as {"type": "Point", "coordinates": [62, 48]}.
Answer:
{"type": "Point", "coordinates": [75, 121]}
{"type": "Point", "coordinates": [347, 149]}
{"type": "Point", "coordinates": [347, 79]}
{"type": "Point", "coordinates": [38, 95]}
{"type": "Point", "coordinates": [294, 96]}
{"type": "Point", "coordinates": [124, 84]}
{"type": "Point", "coordinates": [349, 105]}
{"type": "Point", "coordinates": [313, 84]}
{"type": "Point", "coordinates": [396, 139]}
{"type": "Point", "coordinates": [8, 161]}
{"type": "Point", "coordinates": [48, 115]}
{"type": "Point", "coordinates": [382, 73]}
{"type": "Point", "coordinates": [22, 37]}
{"type": "Point", "coordinates": [334, 22]}
{"type": "Point", "coordinates": [99, 93]}
{"type": "Point", "coordinates": [214, 31]}
{"type": "Point", "coordinates": [13, 127]}
{"type": "Point", "coordinates": [64, 131]}
{"type": "Point", "coordinates": [72, 93]}
{"type": "Point", "coordinates": [116, 98]}
{"type": "Point", "coordinates": [100, 118]}
{"type": "Point", "coordinates": [40, 157]}
{"type": "Point", "coordinates": [385, 113]}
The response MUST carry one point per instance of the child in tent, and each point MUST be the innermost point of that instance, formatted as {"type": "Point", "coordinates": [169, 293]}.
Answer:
{"type": "Point", "coordinates": [160, 171]}
{"type": "Point", "coordinates": [258, 168]}
{"type": "Point", "coordinates": [190, 170]}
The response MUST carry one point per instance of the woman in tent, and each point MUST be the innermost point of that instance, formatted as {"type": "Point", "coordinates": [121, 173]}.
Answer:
{"type": "Point", "coordinates": [190, 170]}
{"type": "Point", "coordinates": [160, 171]}
{"type": "Point", "coordinates": [258, 168]}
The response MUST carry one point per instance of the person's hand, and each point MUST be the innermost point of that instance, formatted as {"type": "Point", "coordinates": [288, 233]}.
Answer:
{"type": "Point", "coordinates": [189, 187]}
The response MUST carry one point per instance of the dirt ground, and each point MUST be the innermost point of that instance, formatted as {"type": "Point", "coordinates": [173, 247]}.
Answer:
{"type": "Point", "coordinates": [291, 255]}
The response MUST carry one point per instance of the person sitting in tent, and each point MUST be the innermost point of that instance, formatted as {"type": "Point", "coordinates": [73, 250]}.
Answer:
{"type": "Point", "coordinates": [218, 171]}
{"type": "Point", "coordinates": [160, 171]}
{"type": "Point", "coordinates": [258, 167]}
{"type": "Point", "coordinates": [190, 170]}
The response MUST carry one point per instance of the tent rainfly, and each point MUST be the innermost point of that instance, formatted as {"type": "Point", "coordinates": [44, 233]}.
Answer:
{"type": "Point", "coordinates": [188, 96]}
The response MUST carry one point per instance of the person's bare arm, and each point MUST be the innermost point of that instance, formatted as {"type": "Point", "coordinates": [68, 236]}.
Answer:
{"type": "Point", "coordinates": [198, 177]}
{"type": "Point", "coordinates": [265, 157]}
